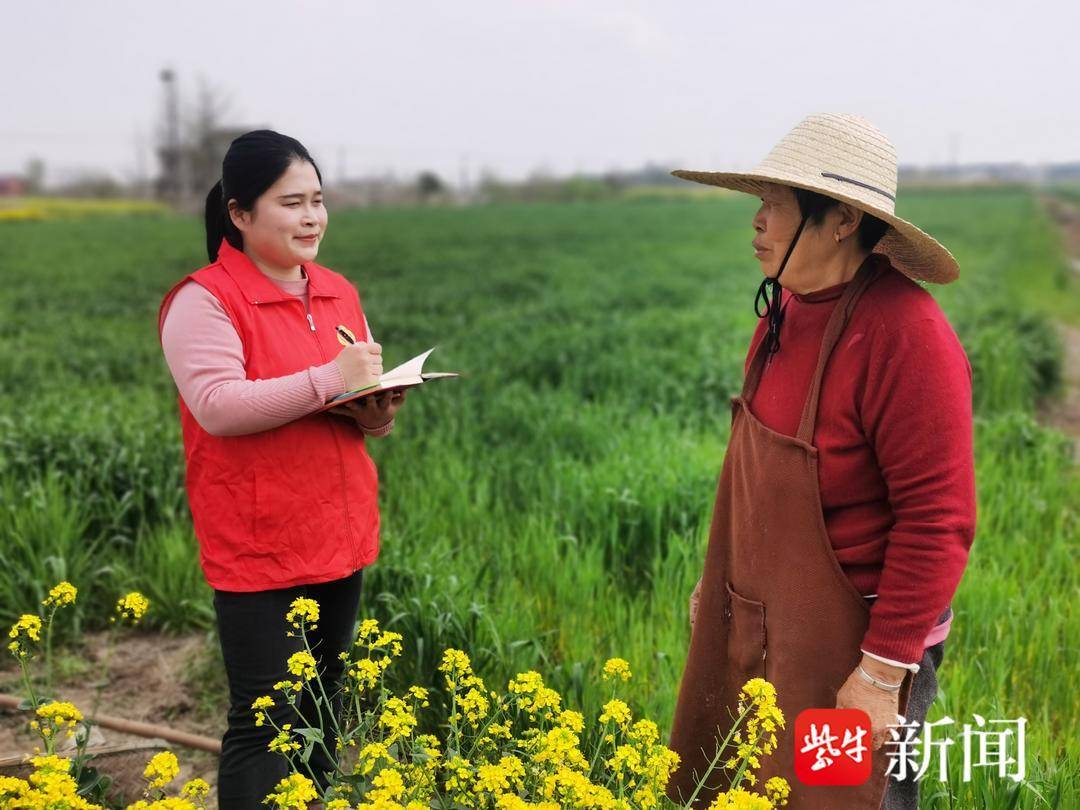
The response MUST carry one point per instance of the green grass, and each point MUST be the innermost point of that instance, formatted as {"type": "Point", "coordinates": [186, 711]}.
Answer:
{"type": "Point", "coordinates": [551, 509]}
{"type": "Point", "coordinates": [1070, 191]}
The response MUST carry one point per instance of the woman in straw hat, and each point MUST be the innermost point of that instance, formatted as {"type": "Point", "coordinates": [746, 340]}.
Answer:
{"type": "Point", "coordinates": [846, 505]}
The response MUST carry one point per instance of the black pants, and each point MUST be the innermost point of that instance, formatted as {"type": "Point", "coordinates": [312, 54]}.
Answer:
{"type": "Point", "coordinates": [255, 644]}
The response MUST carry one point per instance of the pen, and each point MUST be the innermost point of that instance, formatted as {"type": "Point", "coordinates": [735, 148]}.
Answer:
{"type": "Point", "coordinates": [346, 337]}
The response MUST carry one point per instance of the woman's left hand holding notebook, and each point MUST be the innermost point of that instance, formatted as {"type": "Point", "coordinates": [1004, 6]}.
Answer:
{"type": "Point", "coordinates": [373, 412]}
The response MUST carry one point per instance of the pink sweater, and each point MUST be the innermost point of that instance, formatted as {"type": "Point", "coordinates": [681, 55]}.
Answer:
{"type": "Point", "coordinates": [206, 358]}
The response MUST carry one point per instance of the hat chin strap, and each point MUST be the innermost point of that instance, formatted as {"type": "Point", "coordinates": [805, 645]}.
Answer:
{"type": "Point", "coordinates": [767, 300]}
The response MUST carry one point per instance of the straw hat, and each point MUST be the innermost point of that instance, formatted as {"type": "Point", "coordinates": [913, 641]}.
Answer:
{"type": "Point", "coordinates": [845, 157]}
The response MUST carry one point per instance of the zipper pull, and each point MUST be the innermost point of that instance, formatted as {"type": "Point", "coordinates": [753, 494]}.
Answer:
{"type": "Point", "coordinates": [311, 322]}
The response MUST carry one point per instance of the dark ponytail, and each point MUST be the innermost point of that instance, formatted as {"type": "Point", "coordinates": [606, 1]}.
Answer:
{"type": "Point", "coordinates": [216, 217]}
{"type": "Point", "coordinates": [253, 163]}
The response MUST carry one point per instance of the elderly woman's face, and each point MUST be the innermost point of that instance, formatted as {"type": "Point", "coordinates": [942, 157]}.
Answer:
{"type": "Point", "coordinates": [775, 224]}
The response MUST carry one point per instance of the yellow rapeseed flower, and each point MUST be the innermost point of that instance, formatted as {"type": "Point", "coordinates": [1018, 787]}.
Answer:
{"type": "Point", "coordinates": [475, 706]}
{"type": "Point", "coordinates": [388, 784]}
{"type": "Point", "coordinates": [294, 792]}
{"type": "Point", "coordinates": [56, 716]}
{"type": "Point", "coordinates": [660, 764]}
{"type": "Point", "coordinates": [161, 769]}
{"type": "Point", "coordinates": [758, 691]}
{"type": "Point", "coordinates": [458, 779]}
{"type": "Point", "coordinates": [557, 747]}
{"type": "Point", "coordinates": [260, 706]}
{"type": "Point", "coordinates": [428, 744]}
{"type": "Point", "coordinates": [195, 789]}
{"type": "Point", "coordinates": [303, 611]}
{"type": "Point", "coordinates": [511, 801]}
{"type": "Point", "coordinates": [283, 743]}
{"type": "Point", "coordinates": [777, 790]}
{"type": "Point", "coordinates": [389, 642]}
{"type": "Point", "coordinates": [61, 594]}
{"type": "Point", "coordinates": [51, 764]}
{"type": "Point", "coordinates": [131, 608]}
{"type": "Point", "coordinates": [533, 696]}
{"type": "Point", "coordinates": [420, 695]}
{"type": "Point", "coordinates": [525, 683]}
{"type": "Point", "coordinates": [166, 803]}
{"type": "Point", "coordinates": [491, 779]}
{"type": "Point", "coordinates": [363, 675]}
{"type": "Point", "coordinates": [574, 789]}
{"type": "Point", "coordinates": [455, 666]}
{"type": "Point", "coordinates": [12, 788]}
{"type": "Point", "coordinates": [370, 756]}
{"type": "Point", "coordinates": [397, 718]}
{"type": "Point", "coordinates": [368, 629]}
{"type": "Point", "coordinates": [574, 721]}
{"type": "Point", "coordinates": [740, 799]}
{"type": "Point", "coordinates": [500, 731]}
{"type": "Point", "coordinates": [50, 786]}
{"type": "Point", "coordinates": [626, 761]}
{"type": "Point", "coordinates": [644, 732]}
{"type": "Point", "coordinates": [617, 712]}
{"type": "Point", "coordinates": [25, 630]}
{"type": "Point", "coordinates": [617, 668]}
{"type": "Point", "coordinates": [302, 665]}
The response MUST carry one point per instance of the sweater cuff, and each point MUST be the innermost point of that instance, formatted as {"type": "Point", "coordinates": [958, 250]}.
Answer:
{"type": "Point", "coordinates": [901, 639]}
{"type": "Point", "coordinates": [378, 432]}
{"type": "Point", "coordinates": [891, 662]}
{"type": "Point", "coordinates": [327, 381]}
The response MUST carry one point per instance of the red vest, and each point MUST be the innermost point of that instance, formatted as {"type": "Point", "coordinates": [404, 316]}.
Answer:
{"type": "Point", "coordinates": [296, 504]}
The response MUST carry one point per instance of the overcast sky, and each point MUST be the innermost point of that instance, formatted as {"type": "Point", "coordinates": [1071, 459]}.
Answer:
{"type": "Point", "coordinates": [513, 87]}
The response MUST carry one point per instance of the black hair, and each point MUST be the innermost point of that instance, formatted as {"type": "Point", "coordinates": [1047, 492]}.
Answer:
{"type": "Point", "coordinates": [254, 162]}
{"type": "Point", "coordinates": [814, 206]}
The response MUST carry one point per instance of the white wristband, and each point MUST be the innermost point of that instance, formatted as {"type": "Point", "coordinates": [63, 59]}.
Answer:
{"type": "Point", "coordinates": [891, 662]}
{"type": "Point", "coordinates": [870, 679]}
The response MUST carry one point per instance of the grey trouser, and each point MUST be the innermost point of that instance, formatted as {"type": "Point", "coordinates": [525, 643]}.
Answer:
{"type": "Point", "coordinates": [904, 794]}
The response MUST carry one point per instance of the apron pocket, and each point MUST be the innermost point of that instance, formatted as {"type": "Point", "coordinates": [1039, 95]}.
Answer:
{"type": "Point", "coordinates": [746, 636]}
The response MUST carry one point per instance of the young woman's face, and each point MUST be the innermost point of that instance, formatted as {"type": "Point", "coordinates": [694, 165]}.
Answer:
{"type": "Point", "coordinates": [287, 223]}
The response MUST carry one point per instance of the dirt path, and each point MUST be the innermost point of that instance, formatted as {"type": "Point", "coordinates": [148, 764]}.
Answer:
{"type": "Point", "coordinates": [1064, 413]}
{"type": "Point", "coordinates": [165, 680]}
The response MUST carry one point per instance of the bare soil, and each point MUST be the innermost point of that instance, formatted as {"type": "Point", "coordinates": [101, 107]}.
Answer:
{"type": "Point", "coordinates": [171, 681]}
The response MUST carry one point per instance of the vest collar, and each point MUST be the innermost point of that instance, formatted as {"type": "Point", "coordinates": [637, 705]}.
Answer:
{"type": "Point", "coordinates": [259, 289]}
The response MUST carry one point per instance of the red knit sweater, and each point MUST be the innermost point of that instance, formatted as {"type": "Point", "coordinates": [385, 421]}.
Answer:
{"type": "Point", "coordinates": [894, 436]}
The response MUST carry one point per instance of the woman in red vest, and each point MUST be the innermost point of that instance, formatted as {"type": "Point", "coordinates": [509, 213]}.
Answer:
{"type": "Point", "coordinates": [283, 498]}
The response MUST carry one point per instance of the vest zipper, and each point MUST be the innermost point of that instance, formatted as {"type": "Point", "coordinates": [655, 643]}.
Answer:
{"type": "Point", "coordinates": [341, 455]}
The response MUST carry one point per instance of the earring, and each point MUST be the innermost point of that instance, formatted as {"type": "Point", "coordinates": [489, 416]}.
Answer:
{"type": "Point", "coordinates": [837, 238]}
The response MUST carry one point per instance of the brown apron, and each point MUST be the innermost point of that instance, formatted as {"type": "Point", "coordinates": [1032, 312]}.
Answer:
{"type": "Point", "coordinates": [774, 601]}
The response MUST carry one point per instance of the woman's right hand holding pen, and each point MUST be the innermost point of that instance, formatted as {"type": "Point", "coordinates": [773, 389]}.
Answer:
{"type": "Point", "coordinates": [360, 365]}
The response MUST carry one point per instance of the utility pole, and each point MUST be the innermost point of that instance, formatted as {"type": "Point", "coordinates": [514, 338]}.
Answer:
{"type": "Point", "coordinates": [140, 164]}
{"type": "Point", "coordinates": [464, 192]}
{"type": "Point", "coordinates": [170, 184]}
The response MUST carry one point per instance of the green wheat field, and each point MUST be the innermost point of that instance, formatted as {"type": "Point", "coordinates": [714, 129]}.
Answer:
{"type": "Point", "coordinates": [551, 508]}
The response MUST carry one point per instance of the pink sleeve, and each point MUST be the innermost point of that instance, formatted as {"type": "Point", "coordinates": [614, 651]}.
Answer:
{"type": "Point", "coordinates": [206, 358]}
